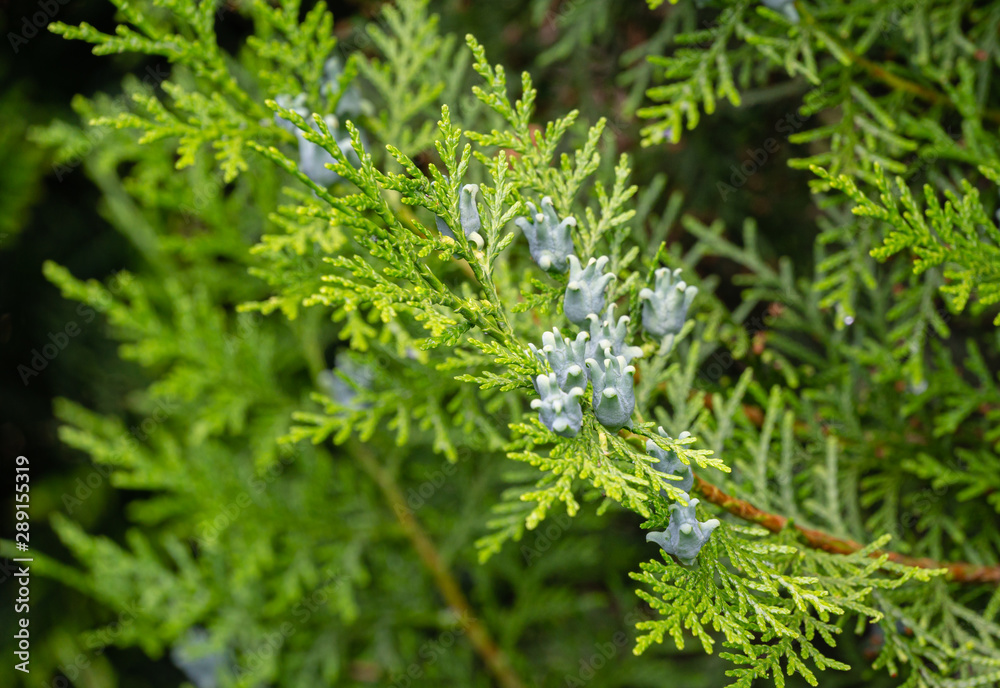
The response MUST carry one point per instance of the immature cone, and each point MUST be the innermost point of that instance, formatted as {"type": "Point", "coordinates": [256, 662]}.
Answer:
{"type": "Point", "coordinates": [614, 395]}
{"type": "Point", "coordinates": [671, 464]}
{"type": "Point", "coordinates": [296, 104]}
{"type": "Point", "coordinates": [443, 227]}
{"type": "Point", "coordinates": [685, 535]}
{"type": "Point", "coordinates": [549, 240]}
{"type": "Point", "coordinates": [350, 105]}
{"type": "Point", "coordinates": [664, 309]}
{"type": "Point", "coordinates": [786, 7]}
{"type": "Point", "coordinates": [606, 335]}
{"type": "Point", "coordinates": [313, 158]}
{"type": "Point", "coordinates": [585, 291]}
{"type": "Point", "coordinates": [559, 411]}
{"type": "Point", "coordinates": [468, 214]}
{"type": "Point", "coordinates": [359, 376]}
{"type": "Point", "coordinates": [193, 654]}
{"type": "Point", "coordinates": [565, 356]}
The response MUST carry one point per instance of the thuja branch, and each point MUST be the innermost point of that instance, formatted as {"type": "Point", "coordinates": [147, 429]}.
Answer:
{"type": "Point", "coordinates": [960, 572]}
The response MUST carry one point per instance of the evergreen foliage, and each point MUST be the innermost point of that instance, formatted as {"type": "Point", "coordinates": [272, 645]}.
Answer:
{"type": "Point", "coordinates": [324, 338]}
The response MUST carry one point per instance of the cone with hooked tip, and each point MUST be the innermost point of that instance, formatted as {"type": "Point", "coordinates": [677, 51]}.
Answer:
{"type": "Point", "coordinates": [468, 214]}
{"type": "Point", "coordinates": [685, 534]}
{"type": "Point", "coordinates": [559, 411]}
{"type": "Point", "coordinates": [606, 334]}
{"type": "Point", "coordinates": [614, 394]}
{"type": "Point", "coordinates": [669, 462]}
{"type": "Point", "coordinates": [664, 308]}
{"type": "Point", "coordinates": [786, 7]}
{"type": "Point", "coordinates": [549, 239]}
{"type": "Point", "coordinates": [585, 291]}
{"type": "Point", "coordinates": [313, 158]}
{"type": "Point", "coordinates": [565, 356]}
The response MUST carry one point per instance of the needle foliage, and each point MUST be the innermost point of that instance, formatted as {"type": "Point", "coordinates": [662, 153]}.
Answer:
{"type": "Point", "coordinates": [340, 361]}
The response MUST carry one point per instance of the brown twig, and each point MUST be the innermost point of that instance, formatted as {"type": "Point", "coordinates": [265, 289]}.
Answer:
{"type": "Point", "coordinates": [960, 572]}
{"type": "Point", "coordinates": [483, 643]}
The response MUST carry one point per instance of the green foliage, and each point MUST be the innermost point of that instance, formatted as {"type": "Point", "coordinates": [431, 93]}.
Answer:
{"type": "Point", "coordinates": [959, 233]}
{"type": "Point", "coordinates": [317, 355]}
{"type": "Point", "coordinates": [773, 616]}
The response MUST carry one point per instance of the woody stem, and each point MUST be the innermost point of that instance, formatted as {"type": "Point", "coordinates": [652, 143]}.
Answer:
{"type": "Point", "coordinates": [482, 642]}
{"type": "Point", "coordinates": [958, 571]}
